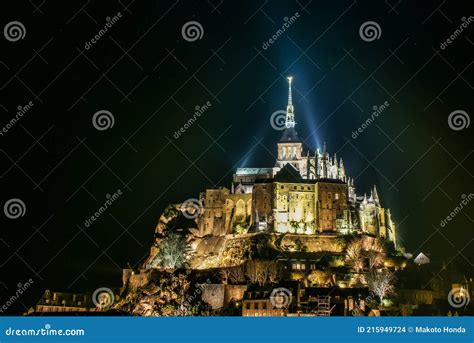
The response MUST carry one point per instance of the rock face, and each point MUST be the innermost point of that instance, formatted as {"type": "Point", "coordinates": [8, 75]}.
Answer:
{"type": "Point", "coordinates": [214, 249]}
{"type": "Point", "coordinates": [164, 295]}
{"type": "Point", "coordinates": [170, 213]}
{"type": "Point", "coordinates": [170, 221]}
{"type": "Point", "coordinates": [217, 252]}
{"type": "Point", "coordinates": [237, 259]}
{"type": "Point", "coordinates": [309, 243]}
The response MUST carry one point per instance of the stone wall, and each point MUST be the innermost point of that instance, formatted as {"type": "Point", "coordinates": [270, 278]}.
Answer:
{"type": "Point", "coordinates": [213, 294]}
{"type": "Point", "coordinates": [220, 295]}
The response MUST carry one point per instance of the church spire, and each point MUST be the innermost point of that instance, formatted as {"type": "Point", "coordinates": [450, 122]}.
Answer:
{"type": "Point", "coordinates": [290, 116]}
{"type": "Point", "coordinates": [376, 196]}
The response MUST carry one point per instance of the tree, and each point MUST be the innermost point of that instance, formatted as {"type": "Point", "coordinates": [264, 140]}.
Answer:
{"type": "Point", "coordinates": [354, 255]}
{"type": "Point", "coordinates": [237, 274]}
{"type": "Point", "coordinates": [361, 253]}
{"type": "Point", "coordinates": [375, 254]}
{"type": "Point", "coordinates": [273, 272]}
{"type": "Point", "coordinates": [252, 271]}
{"type": "Point", "coordinates": [320, 278]}
{"type": "Point", "coordinates": [381, 283]}
{"type": "Point", "coordinates": [172, 252]}
{"type": "Point", "coordinates": [375, 259]}
{"type": "Point", "coordinates": [262, 272]}
{"type": "Point", "coordinates": [225, 274]}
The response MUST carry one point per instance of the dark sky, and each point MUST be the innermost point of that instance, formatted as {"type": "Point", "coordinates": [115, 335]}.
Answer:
{"type": "Point", "coordinates": [151, 80]}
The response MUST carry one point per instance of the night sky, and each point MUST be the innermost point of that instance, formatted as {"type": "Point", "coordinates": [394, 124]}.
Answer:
{"type": "Point", "coordinates": [151, 79]}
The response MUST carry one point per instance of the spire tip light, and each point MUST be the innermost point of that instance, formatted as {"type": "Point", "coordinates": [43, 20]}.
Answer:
{"type": "Point", "coordinates": [290, 117]}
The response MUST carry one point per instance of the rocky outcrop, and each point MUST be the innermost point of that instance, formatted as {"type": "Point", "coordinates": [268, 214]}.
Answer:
{"type": "Point", "coordinates": [218, 252]}
{"type": "Point", "coordinates": [308, 243]}
{"type": "Point", "coordinates": [165, 295]}
{"type": "Point", "coordinates": [170, 213]}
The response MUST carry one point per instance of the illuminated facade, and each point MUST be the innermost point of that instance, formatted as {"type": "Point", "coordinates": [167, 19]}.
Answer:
{"type": "Point", "coordinates": [306, 193]}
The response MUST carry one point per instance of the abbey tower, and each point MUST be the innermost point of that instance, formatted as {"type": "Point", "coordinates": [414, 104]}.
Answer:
{"type": "Point", "coordinates": [306, 192]}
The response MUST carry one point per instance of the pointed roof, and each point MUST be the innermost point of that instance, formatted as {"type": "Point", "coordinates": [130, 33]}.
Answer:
{"type": "Point", "coordinates": [421, 259]}
{"type": "Point", "coordinates": [289, 134]}
{"type": "Point", "coordinates": [288, 174]}
{"type": "Point", "coordinates": [376, 195]}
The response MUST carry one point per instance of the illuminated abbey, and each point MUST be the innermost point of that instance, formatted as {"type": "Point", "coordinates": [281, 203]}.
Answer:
{"type": "Point", "coordinates": [306, 192]}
